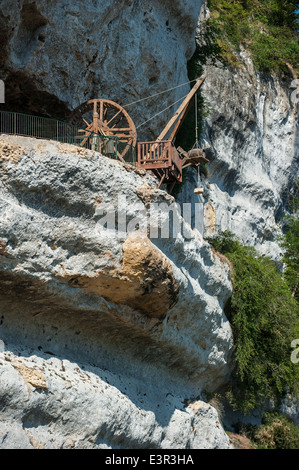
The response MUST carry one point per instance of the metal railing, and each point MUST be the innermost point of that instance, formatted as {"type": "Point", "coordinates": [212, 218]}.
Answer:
{"type": "Point", "coordinates": [52, 129]}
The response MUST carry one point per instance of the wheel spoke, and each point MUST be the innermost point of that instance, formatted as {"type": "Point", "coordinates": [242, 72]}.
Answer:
{"type": "Point", "coordinates": [108, 119]}
{"type": "Point", "coordinates": [101, 112]}
{"type": "Point", "coordinates": [112, 119]}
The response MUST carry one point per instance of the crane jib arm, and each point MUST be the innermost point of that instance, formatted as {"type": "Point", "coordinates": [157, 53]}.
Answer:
{"type": "Point", "coordinates": [180, 114]}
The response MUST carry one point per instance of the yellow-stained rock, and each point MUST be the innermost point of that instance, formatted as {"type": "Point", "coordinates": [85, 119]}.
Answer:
{"type": "Point", "coordinates": [145, 281]}
{"type": "Point", "coordinates": [32, 377]}
{"type": "Point", "coordinates": [146, 194]}
{"type": "Point", "coordinates": [10, 152]}
{"type": "Point", "coordinates": [210, 218]}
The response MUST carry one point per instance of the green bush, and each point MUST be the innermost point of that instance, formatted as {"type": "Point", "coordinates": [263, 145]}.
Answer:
{"type": "Point", "coordinates": [276, 432]}
{"type": "Point", "coordinates": [267, 28]}
{"type": "Point", "coordinates": [290, 245]}
{"type": "Point", "coordinates": [265, 319]}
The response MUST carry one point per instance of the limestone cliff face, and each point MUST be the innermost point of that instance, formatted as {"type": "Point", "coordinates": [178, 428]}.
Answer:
{"type": "Point", "coordinates": [251, 136]}
{"type": "Point", "coordinates": [109, 329]}
{"type": "Point", "coordinates": [107, 339]}
{"type": "Point", "coordinates": [55, 57]}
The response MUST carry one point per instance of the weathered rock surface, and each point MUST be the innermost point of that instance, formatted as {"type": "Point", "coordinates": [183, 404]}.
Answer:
{"type": "Point", "coordinates": [54, 58]}
{"type": "Point", "coordinates": [106, 332]}
{"type": "Point", "coordinates": [49, 403]}
{"type": "Point", "coordinates": [251, 138]}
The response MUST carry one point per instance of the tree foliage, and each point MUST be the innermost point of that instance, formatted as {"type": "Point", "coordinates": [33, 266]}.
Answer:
{"type": "Point", "coordinates": [290, 245]}
{"type": "Point", "coordinates": [265, 319]}
{"type": "Point", "coordinates": [268, 28]}
{"type": "Point", "coordinates": [276, 432]}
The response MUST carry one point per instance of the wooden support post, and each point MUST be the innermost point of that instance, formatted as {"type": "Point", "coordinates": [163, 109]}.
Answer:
{"type": "Point", "coordinates": [161, 181]}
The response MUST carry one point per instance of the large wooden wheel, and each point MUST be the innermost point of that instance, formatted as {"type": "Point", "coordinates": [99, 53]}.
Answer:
{"type": "Point", "coordinates": [107, 118]}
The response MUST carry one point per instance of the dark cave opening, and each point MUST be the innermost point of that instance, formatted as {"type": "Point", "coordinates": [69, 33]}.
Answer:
{"type": "Point", "coordinates": [23, 96]}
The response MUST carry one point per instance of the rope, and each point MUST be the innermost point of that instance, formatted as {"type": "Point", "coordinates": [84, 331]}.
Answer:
{"type": "Point", "coordinates": [196, 145]}
{"type": "Point", "coordinates": [165, 109]}
{"type": "Point", "coordinates": [160, 93]}
{"type": "Point", "coordinates": [196, 121]}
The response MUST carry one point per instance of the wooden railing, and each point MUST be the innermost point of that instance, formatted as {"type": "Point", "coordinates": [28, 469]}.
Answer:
{"type": "Point", "coordinates": [151, 154]}
{"type": "Point", "coordinates": [176, 163]}
{"type": "Point", "coordinates": [159, 155]}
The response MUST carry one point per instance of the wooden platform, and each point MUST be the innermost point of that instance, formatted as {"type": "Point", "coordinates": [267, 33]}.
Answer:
{"type": "Point", "coordinates": [166, 161]}
{"type": "Point", "coordinates": [163, 159]}
{"type": "Point", "coordinates": [194, 157]}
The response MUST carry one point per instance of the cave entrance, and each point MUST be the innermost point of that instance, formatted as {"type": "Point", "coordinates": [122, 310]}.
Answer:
{"type": "Point", "coordinates": [22, 96]}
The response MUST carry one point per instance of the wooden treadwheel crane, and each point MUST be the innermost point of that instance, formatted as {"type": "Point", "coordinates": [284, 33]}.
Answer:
{"type": "Point", "coordinates": [162, 157]}
{"type": "Point", "coordinates": [105, 118]}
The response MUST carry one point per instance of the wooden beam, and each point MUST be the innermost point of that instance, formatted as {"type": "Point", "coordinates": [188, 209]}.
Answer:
{"type": "Point", "coordinates": [181, 120]}
{"type": "Point", "coordinates": [182, 152]}
{"type": "Point", "coordinates": [161, 181]}
{"type": "Point", "coordinates": [185, 166]}
{"type": "Point", "coordinates": [182, 109]}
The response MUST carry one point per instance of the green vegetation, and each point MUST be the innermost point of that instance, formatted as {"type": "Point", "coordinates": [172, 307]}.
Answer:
{"type": "Point", "coordinates": [290, 245]}
{"type": "Point", "coordinates": [265, 319]}
{"type": "Point", "coordinates": [276, 432]}
{"type": "Point", "coordinates": [267, 28]}
{"type": "Point", "coordinates": [186, 137]}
